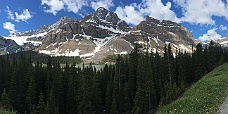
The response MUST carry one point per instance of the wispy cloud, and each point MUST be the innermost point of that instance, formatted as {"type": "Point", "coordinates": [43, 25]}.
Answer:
{"type": "Point", "coordinates": [223, 28]}
{"type": "Point", "coordinates": [10, 27]}
{"type": "Point", "coordinates": [10, 13]}
{"type": "Point", "coordinates": [24, 16]}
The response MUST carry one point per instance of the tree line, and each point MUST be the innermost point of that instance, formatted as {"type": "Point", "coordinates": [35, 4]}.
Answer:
{"type": "Point", "coordinates": [136, 83]}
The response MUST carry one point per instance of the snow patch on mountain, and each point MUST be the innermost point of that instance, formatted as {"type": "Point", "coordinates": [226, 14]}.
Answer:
{"type": "Point", "coordinates": [20, 40]}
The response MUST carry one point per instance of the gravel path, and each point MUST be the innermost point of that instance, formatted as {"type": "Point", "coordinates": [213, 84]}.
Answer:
{"type": "Point", "coordinates": [223, 109]}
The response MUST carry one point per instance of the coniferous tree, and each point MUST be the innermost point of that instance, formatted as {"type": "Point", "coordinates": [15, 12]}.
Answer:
{"type": "Point", "coordinates": [52, 106]}
{"type": "Point", "coordinates": [108, 97]}
{"type": "Point", "coordinates": [114, 106]}
{"type": "Point", "coordinates": [133, 64]}
{"type": "Point", "coordinates": [5, 101]}
{"type": "Point", "coordinates": [31, 94]}
{"type": "Point", "coordinates": [199, 62]}
{"type": "Point", "coordinates": [41, 105]}
{"type": "Point", "coordinates": [71, 100]}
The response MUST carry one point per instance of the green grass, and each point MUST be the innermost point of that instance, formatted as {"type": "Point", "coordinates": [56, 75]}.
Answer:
{"type": "Point", "coordinates": [7, 112]}
{"type": "Point", "coordinates": [204, 97]}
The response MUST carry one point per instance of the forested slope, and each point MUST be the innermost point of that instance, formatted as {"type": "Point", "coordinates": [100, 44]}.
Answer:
{"type": "Point", "coordinates": [138, 82]}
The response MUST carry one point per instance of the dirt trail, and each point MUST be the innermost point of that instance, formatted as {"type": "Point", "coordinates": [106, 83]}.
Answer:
{"type": "Point", "coordinates": [223, 109]}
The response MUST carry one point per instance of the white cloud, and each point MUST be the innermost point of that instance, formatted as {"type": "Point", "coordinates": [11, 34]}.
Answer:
{"type": "Point", "coordinates": [129, 14]}
{"type": "Point", "coordinates": [223, 28]}
{"type": "Point", "coordinates": [55, 6]}
{"type": "Point", "coordinates": [156, 9]}
{"type": "Point", "coordinates": [134, 13]}
{"type": "Point", "coordinates": [74, 5]}
{"type": "Point", "coordinates": [201, 11]}
{"type": "Point", "coordinates": [58, 5]}
{"type": "Point", "coordinates": [10, 13]}
{"type": "Point", "coordinates": [9, 26]}
{"type": "Point", "coordinates": [24, 16]}
{"type": "Point", "coordinates": [102, 3]}
{"type": "Point", "coordinates": [210, 35]}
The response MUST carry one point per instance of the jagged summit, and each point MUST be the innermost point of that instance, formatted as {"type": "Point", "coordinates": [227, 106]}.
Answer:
{"type": "Point", "coordinates": [101, 13]}
{"type": "Point", "coordinates": [8, 46]}
{"type": "Point", "coordinates": [152, 20]}
{"type": "Point", "coordinates": [165, 30]}
{"type": "Point", "coordinates": [104, 18]}
{"type": "Point", "coordinates": [103, 33]}
{"type": "Point", "coordinates": [63, 20]}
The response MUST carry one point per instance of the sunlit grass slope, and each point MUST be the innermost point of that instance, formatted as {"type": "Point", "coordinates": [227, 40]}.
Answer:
{"type": "Point", "coordinates": [204, 96]}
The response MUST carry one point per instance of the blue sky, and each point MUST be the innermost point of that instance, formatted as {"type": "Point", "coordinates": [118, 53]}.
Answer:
{"type": "Point", "coordinates": [206, 19]}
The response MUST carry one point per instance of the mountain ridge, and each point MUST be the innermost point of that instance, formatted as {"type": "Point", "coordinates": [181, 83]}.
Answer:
{"type": "Point", "coordinates": [104, 33]}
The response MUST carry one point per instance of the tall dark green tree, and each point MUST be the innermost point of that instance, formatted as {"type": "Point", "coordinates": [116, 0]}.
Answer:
{"type": "Point", "coordinates": [5, 101]}
{"type": "Point", "coordinates": [31, 94]}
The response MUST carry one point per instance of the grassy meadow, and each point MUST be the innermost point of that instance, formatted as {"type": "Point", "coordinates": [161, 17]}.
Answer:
{"type": "Point", "coordinates": [203, 97]}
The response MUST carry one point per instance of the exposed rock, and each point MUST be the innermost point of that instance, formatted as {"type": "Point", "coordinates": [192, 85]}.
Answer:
{"type": "Point", "coordinates": [158, 33]}
{"type": "Point", "coordinates": [103, 23]}
{"type": "Point", "coordinates": [8, 46]}
{"type": "Point", "coordinates": [104, 33]}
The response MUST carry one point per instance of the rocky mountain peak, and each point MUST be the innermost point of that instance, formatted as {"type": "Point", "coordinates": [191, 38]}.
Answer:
{"type": "Point", "coordinates": [63, 20]}
{"type": "Point", "coordinates": [152, 20]}
{"type": "Point", "coordinates": [101, 13]}
{"type": "Point", "coordinates": [102, 33]}
{"type": "Point", "coordinates": [105, 18]}
{"type": "Point", "coordinates": [8, 46]}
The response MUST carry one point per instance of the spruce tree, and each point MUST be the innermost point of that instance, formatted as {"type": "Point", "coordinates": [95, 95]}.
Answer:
{"type": "Point", "coordinates": [31, 94]}
{"type": "Point", "coordinates": [5, 101]}
{"type": "Point", "coordinates": [41, 105]}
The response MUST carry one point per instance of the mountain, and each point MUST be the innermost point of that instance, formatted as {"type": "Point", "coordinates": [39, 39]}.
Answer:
{"type": "Point", "coordinates": [8, 46]}
{"type": "Point", "coordinates": [103, 33]}
{"type": "Point", "coordinates": [223, 42]}
{"type": "Point", "coordinates": [156, 34]}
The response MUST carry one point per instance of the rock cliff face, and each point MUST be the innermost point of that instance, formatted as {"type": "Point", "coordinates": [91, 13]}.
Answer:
{"type": "Point", "coordinates": [83, 38]}
{"type": "Point", "coordinates": [8, 46]}
{"type": "Point", "coordinates": [103, 23]}
{"type": "Point", "coordinates": [156, 34]}
{"type": "Point", "coordinates": [165, 30]}
{"type": "Point", "coordinates": [104, 33]}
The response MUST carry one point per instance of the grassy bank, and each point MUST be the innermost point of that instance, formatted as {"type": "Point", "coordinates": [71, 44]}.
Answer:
{"type": "Point", "coordinates": [204, 96]}
{"type": "Point", "coordinates": [7, 112]}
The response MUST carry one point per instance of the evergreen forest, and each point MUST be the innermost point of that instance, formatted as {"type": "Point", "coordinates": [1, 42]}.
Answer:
{"type": "Point", "coordinates": [137, 83]}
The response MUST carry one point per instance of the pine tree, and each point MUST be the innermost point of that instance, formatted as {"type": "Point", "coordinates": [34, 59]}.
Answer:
{"type": "Point", "coordinates": [168, 58]}
{"type": "Point", "coordinates": [199, 62]}
{"type": "Point", "coordinates": [41, 105]}
{"type": "Point", "coordinates": [114, 107]}
{"type": "Point", "coordinates": [126, 98]}
{"type": "Point", "coordinates": [108, 97]}
{"type": "Point", "coordinates": [71, 100]}
{"type": "Point", "coordinates": [52, 106]}
{"type": "Point", "coordinates": [133, 64]}
{"type": "Point", "coordinates": [57, 87]}
{"type": "Point", "coordinates": [84, 101]}
{"type": "Point", "coordinates": [31, 94]}
{"type": "Point", "coordinates": [212, 56]}
{"type": "Point", "coordinates": [5, 101]}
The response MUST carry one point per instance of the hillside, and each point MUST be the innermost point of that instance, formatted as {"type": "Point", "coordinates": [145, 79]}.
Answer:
{"type": "Point", "coordinates": [204, 96]}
